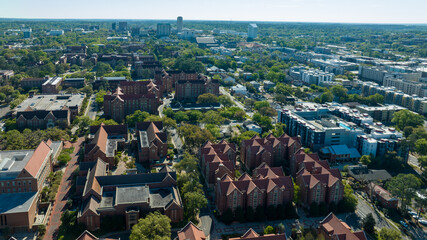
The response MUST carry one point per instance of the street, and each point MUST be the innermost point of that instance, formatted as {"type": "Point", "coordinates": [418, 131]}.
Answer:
{"type": "Point", "coordinates": [240, 105]}
{"type": "Point", "coordinates": [92, 109]}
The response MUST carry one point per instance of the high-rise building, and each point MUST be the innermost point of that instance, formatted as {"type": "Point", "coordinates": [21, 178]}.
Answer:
{"type": "Point", "coordinates": [179, 24]}
{"type": "Point", "coordinates": [163, 29]}
{"type": "Point", "coordinates": [113, 26]}
{"type": "Point", "coordinates": [252, 31]}
{"type": "Point", "coordinates": [27, 32]}
{"type": "Point", "coordinates": [123, 26]}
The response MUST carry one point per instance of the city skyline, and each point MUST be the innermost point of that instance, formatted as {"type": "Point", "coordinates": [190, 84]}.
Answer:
{"type": "Point", "coordinates": [328, 11]}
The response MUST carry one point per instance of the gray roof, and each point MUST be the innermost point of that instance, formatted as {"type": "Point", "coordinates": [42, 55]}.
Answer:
{"type": "Point", "coordinates": [138, 194]}
{"type": "Point", "coordinates": [362, 173]}
{"type": "Point", "coordinates": [55, 147]}
{"type": "Point", "coordinates": [161, 197]}
{"type": "Point", "coordinates": [16, 202]}
{"type": "Point", "coordinates": [12, 163]}
{"type": "Point", "coordinates": [51, 102]}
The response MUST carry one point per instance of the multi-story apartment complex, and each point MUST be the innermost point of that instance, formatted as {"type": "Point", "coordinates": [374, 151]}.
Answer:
{"type": "Point", "coordinates": [45, 111]}
{"type": "Point", "coordinates": [152, 141]}
{"type": "Point", "coordinates": [188, 90]}
{"type": "Point", "coordinates": [408, 87]}
{"type": "Point", "coordinates": [311, 76]}
{"type": "Point", "coordinates": [179, 24]}
{"type": "Point", "coordinates": [271, 150]}
{"type": "Point", "coordinates": [317, 181]}
{"type": "Point", "coordinates": [217, 160]}
{"type": "Point", "coordinates": [392, 96]}
{"type": "Point", "coordinates": [22, 177]}
{"type": "Point", "coordinates": [332, 228]}
{"type": "Point", "coordinates": [268, 187]}
{"type": "Point", "coordinates": [334, 124]}
{"type": "Point", "coordinates": [372, 74]}
{"type": "Point", "coordinates": [337, 67]}
{"type": "Point", "coordinates": [382, 113]}
{"type": "Point", "coordinates": [129, 97]}
{"type": "Point", "coordinates": [28, 83]}
{"type": "Point", "coordinates": [126, 196]}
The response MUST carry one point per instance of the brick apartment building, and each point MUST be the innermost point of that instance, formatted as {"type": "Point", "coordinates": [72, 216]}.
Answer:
{"type": "Point", "coordinates": [22, 175]}
{"type": "Point", "coordinates": [29, 83]}
{"type": "Point", "coordinates": [268, 186]}
{"type": "Point", "coordinates": [132, 96]}
{"type": "Point", "coordinates": [126, 196]}
{"type": "Point", "coordinates": [152, 141]}
{"type": "Point", "coordinates": [187, 90]}
{"type": "Point", "coordinates": [104, 142]}
{"type": "Point", "coordinates": [252, 235]}
{"type": "Point", "coordinates": [317, 181]}
{"type": "Point", "coordinates": [332, 228]}
{"type": "Point", "coordinates": [271, 150]}
{"type": "Point", "coordinates": [45, 111]}
{"type": "Point", "coordinates": [217, 160]}
{"type": "Point", "coordinates": [383, 196]}
{"type": "Point", "coordinates": [51, 86]}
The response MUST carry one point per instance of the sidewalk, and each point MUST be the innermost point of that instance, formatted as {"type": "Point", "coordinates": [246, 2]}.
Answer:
{"type": "Point", "coordinates": [62, 195]}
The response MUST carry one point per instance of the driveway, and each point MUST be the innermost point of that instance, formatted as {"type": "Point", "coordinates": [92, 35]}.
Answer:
{"type": "Point", "coordinates": [62, 194]}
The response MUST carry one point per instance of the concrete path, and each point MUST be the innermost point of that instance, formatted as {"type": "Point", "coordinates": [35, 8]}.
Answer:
{"type": "Point", "coordinates": [62, 195]}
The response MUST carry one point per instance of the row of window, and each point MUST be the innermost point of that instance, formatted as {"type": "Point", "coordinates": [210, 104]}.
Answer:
{"type": "Point", "coordinates": [13, 183]}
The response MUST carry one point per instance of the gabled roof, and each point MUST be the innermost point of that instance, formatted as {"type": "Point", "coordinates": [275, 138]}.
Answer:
{"type": "Point", "coordinates": [339, 229]}
{"type": "Point", "coordinates": [36, 161]}
{"type": "Point", "coordinates": [252, 235]}
{"type": "Point", "coordinates": [191, 232]}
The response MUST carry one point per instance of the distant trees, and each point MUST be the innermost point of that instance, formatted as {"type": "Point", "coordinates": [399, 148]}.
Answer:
{"type": "Point", "coordinates": [194, 136]}
{"type": "Point", "coordinates": [365, 159]}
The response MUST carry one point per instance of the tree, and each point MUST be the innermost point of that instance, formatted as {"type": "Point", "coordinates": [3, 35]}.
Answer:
{"type": "Point", "coordinates": [194, 201]}
{"type": "Point", "coordinates": [194, 115]}
{"type": "Point", "coordinates": [404, 118]}
{"type": "Point", "coordinates": [154, 226]}
{"type": "Point", "coordinates": [137, 116]}
{"type": "Point", "coordinates": [389, 234]}
{"type": "Point", "coordinates": [239, 214]}
{"type": "Point", "coordinates": [421, 146]}
{"type": "Point", "coordinates": [269, 230]}
{"type": "Point", "coordinates": [181, 117]}
{"type": "Point", "coordinates": [423, 161]}
{"type": "Point", "coordinates": [403, 186]}
{"type": "Point", "coordinates": [249, 103]}
{"type": "Point", "coordinates": [368, 224]}
{"type": "Point", "coordinates": [194, 136]}
{"type": "Point", "coordinates": [225, 101]}
{"type": "Point", "coordinates": [339, 91]}
{"type": "Point", "coordinates": [187, 164]}
{"type": "Point", "coordinates": [260, 213]}
{"type": "Point", "coordinates": [227, 216]}
{"type": "Point", "coordinates": [213, 117]}
{"type": "Point", "coordinates": [365, 159]}
{"type": "Point", "coordinates": [280, 228]}
{"type": "Point", "coordinates": [99, 98]}
{"type": "Point", "coordinates": [207, 98]}
{"type": "Point", "coordinates": [326, 97]}
{"type": "Point", "coordinates": [349, 202]}
{"type": "Point", "coordinates": [102, 69]}
{"type": "Point", "coordinates": [250, 214]}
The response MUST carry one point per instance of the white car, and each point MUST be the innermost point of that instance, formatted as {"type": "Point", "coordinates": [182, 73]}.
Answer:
{"type": "Point", "coordinates": [423, 222]}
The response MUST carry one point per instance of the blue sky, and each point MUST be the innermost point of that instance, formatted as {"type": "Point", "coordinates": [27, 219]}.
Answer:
{"type": "Point", "coordinates": [349, 11]}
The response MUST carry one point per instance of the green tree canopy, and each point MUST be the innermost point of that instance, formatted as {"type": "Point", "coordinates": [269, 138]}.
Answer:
{"type": "Point", "coordinates": [404, 118]}
{"type": "Point", "coordinates": [404, 186]}
{"type": "Point", "coordinates": [155, 226]}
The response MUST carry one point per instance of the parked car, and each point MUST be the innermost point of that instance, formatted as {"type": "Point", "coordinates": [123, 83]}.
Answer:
{"type": "Point", "coordinates": [404, 224]}
{"type": "Point", "coordinates": [423, 222]}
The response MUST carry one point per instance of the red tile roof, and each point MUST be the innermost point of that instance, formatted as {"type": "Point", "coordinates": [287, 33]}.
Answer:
{"type": "Point", "coordinates": [332, 226]}
{"type": "Point", "coordinates": [191, 232]}
{"type": "Point", "coordinates": [36, 161]}
{"type": "Point", "coordinates": [252, 235]}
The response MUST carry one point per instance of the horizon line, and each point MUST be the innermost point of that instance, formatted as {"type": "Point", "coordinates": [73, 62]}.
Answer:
{"type": "Point", "coordinates": [211, 20]}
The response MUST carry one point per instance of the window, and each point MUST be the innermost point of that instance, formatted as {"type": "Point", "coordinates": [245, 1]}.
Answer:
{"type": "Point", "coordinates": [255, 199]}
{"type": "Point", "coordinates": [275, 197]}
{"type": "Point", "coordinates": [234, 199]}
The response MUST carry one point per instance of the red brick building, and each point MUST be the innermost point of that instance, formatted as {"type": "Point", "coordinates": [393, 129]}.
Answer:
{"type": "Point", "coordinates": [331, 228]}
{"type": "Point", "coordinates": [132, 96]}
{"type": "Point", "coordinates": [252, 235]}
{"type": "Point", "coordinates": [268, 186]}
{"type": "Point", "coordinates": [127, 196]}
{"type": "Point", "coordinates": [383, 196]}
{"type": "Point", "coordinates": [217, 160]}
{"type": "Point", "coordinates": [152, 141]}
{"type": "Point", "coordinates": [22, 177]}
{"type": "Point", "coordinates": [317, 181]}
{"type": "Point", "coordinates": [188, 89]}
{"type": "Point", "coordinates": [271, 150]}
{"type": "Point", "coordinates": [104, 141]}
{"type": "Point", "coordinates": [191, 232]}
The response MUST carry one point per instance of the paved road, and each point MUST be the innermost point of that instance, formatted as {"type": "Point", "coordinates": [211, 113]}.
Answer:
{"type": "Point", "coordinates": [93, 108]}
{"type": "Point", "coordinates": [412, 160]}
{"type": "Point", "coordinates": [239, 104]}
{"type": "Point", "coordinates": [166, 102]}
{"type": "Point", "coordinates": [62, 195]}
